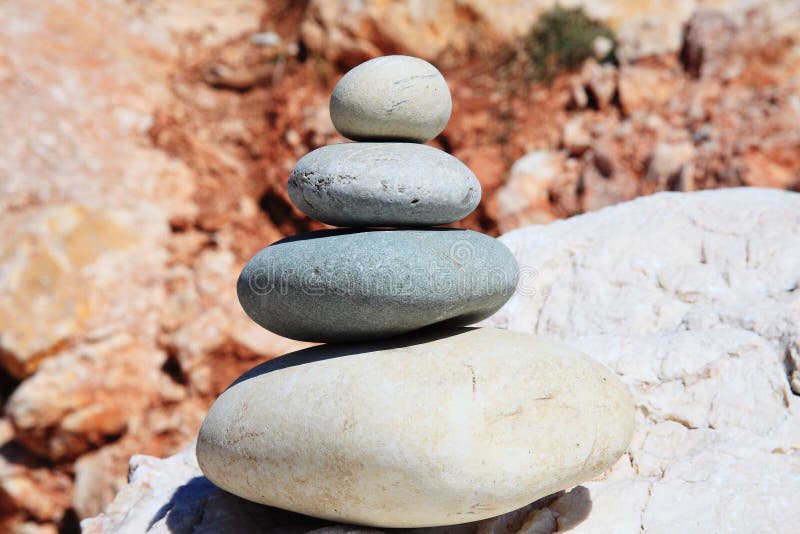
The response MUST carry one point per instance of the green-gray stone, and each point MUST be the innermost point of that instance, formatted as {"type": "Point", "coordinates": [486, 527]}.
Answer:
{"type": "Point", "coordinates": [346, 285]}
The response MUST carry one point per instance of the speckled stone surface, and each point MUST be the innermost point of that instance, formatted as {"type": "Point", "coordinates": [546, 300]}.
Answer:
{"type": "Point", "coordinates": [343, 285]}
{"type": "Point", "coordinates": [433, 428]}
{"type": "Point", "coordinates": [383, 184]}
{"type": "Point", "coordinates": [398, 98]}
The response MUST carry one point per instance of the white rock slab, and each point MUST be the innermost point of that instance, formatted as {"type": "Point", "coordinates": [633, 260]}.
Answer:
{"type": "Point", "coordinates": [694, 300]}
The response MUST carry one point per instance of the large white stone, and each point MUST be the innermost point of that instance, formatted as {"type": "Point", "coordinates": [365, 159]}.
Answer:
{"type": "Point", "coordinates": [428, 429]}
{"type": "Point", "coordinates": [400, 98]}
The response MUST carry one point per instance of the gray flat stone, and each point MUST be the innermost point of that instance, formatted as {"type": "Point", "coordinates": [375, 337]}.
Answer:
{"type": "Point", "coordinates": [398, 98]}
{"type": "Point", "coordinates": [383, 184]}
{"type": "Point", "coordinates": [344, 285]}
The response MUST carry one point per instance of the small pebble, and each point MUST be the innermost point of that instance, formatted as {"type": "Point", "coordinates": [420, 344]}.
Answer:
{"type": "Point", "coordinates": [391, 98]}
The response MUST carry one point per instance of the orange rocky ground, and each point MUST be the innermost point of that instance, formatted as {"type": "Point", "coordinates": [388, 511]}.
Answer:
{"type": "Point", "coordinates": [146, 147]}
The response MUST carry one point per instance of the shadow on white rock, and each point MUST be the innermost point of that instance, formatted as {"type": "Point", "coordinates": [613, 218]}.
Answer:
{"type": "Point", "coordinates": [172, 495]}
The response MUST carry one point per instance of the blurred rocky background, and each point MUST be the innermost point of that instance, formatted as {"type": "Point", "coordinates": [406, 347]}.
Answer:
{"type": "Point", "coordinates": [145, 146]}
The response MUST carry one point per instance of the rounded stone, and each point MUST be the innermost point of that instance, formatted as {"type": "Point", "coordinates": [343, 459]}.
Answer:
{"type": "Point", "coordinates": [400, 98]}
{"type": "Point", "coordinates": [347, 285]}
{"type": "Point", "coordinates": [383, 184]}
{"type": "Point", "coordinates": [427, 429]}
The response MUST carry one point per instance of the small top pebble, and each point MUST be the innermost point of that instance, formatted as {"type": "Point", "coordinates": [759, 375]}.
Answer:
{"type": "Point", "coordinates": [391, 98]}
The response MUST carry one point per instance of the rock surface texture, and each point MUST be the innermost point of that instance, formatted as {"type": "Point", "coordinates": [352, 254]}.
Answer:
{"type": "Point", "coordinates": [693, 300]}
{"type": "Point", "coordinates": [350, 32]}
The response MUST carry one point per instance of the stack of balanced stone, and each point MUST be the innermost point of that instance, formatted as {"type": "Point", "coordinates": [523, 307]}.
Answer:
{"type": "Point", "coordinates": [405, 417]}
